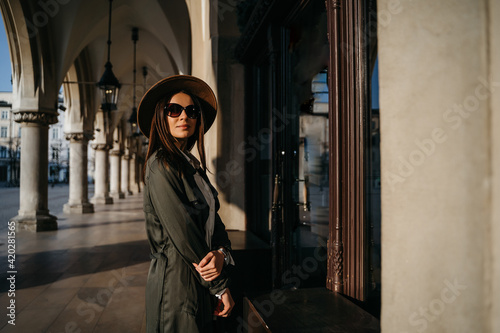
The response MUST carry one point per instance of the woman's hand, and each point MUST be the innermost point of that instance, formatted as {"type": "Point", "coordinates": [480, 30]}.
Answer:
{"type": "Point", "coordinates": [228, 302]}
{"type": "Point", "coordinates": [210, 267]}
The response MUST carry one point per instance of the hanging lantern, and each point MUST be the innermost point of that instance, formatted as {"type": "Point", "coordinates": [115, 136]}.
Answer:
{"type": "Point", "coordinates": [109, 86]}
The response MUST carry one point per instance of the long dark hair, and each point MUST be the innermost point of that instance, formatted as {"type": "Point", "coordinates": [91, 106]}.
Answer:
{"type": "Point", "coordinates": [161, 140]}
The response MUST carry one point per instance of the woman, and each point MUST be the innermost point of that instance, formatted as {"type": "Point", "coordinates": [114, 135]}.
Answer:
{"type": "Point", "coordinates": [188, 241]}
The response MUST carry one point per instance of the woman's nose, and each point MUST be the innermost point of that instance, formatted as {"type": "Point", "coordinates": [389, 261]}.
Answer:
{"type": "Point", "coordinates": [183, 115]}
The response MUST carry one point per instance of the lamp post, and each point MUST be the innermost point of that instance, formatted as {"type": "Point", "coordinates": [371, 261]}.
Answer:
{"type": "Point", "coordinates": [144, 76]}
{"type": "Point", "coordinates": [108, 84]}
{"type": "Point", "coordinates": [133, 117]}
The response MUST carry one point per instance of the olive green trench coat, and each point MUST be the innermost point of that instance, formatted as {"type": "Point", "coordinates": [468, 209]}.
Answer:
{"type": "Point", "coordinates": [177, 298]}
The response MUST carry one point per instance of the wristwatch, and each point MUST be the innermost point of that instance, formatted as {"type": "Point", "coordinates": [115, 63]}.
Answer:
{"type": "Point", "coordinates": [226, 255]}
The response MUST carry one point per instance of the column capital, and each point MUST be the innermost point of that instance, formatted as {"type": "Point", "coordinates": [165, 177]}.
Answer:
{"type": "Point", "coordinates": [116, 153]}
{"type": "Point", "coordinates": [101, 146]}
{"type": "Point", "coordinates": [79, 137]}
{"type": "Point", "coordinates": [37, 117]}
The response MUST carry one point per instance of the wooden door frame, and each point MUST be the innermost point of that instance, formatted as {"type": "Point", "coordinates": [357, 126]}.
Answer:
{"type": "Point", "coordinates": [349, 107]}
{"type": "Point", "coordinates": [349, 93]}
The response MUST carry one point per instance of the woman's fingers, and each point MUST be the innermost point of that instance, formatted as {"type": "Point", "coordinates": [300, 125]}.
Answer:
{"type": "Point", "coordinates": [209, 276]}
{"type": "Point", "coordinates": [228, 302]}
{"type": "Point", "coordinates": [207, 269]}
{"type": "Point", "coordinates": [213, 260]}
{"type": "Point", "coordinates": [210, 266]}
{"type": "Point", "coordinates": [206, 260]}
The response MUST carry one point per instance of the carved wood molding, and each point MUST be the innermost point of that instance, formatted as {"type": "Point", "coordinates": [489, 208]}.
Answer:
{"type": "Point", "coordinates": [37, 117]}
{"type": "Point", "coordinates": [335, 245]}
{"type": "Point", "coordinates": [338, 259]}
{"type": "Point", "coordinates": [348, 265]}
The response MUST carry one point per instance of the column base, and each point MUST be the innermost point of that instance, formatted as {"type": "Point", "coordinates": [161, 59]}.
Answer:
{"type": "Point", "coordinates": [102, 200]}
{"type": "Point", "coordinates": [84, 208]}
{"type": "Point", "coordinates": [36, 222]}
{"type": "Point", "coordinates": [120, 195]}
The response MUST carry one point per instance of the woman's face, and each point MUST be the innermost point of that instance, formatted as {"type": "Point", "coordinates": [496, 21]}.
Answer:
{"type": "Point", "coordinates": [181, 127]}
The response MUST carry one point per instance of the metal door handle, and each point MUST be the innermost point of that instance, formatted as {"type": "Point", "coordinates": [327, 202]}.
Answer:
{"type": "Point", "coordinates": [276, 192]}
{"type": "Point", "coordinates": [305, 205]}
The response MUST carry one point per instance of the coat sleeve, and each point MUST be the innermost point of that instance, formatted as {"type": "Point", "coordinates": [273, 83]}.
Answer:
{"type": "Point", "coordinates": [175, 211]}
{"type": "Point", "coordinates": [220, 237]}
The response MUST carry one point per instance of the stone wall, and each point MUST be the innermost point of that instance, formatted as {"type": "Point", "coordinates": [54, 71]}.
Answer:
{"type": "Point", "coordinates": [439, 80]}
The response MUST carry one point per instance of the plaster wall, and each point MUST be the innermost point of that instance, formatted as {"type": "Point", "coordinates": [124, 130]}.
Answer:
{"type": "Point", "coordinates": [202, 66]}
{"type": "Point", "coordinates": [437, 94]}
{"type": "Point", "coordinates": [219, 139]}
{"type": "Point", "coordinates": [494, 58]}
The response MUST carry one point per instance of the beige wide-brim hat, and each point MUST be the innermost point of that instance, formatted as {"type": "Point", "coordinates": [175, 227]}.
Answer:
{"type": "Point", "coordinates": [188, 83]}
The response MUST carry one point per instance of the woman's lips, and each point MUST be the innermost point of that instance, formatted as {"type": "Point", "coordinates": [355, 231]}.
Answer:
{"type": "Point", "coordinates": [183, 126]}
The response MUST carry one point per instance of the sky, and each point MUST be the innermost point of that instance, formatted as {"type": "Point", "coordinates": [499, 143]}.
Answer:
{"type": "Point", "coordinates": [5, 68]}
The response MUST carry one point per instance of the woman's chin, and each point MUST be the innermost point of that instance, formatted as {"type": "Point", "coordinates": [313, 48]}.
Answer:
{"type": "Point", "coordinates": [181, 136]}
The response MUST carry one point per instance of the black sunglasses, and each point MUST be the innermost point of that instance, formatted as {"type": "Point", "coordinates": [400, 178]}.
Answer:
{"type": "Point", "coordinates": [174, 110]}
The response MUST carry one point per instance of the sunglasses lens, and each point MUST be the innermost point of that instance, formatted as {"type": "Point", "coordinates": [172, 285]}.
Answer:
{"type": "Point", "coordinates": [192, 111]}
{"type": "Point", "coordinates": [174, 110]}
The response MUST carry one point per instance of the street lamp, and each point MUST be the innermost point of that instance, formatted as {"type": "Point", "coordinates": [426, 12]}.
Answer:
{"type": "Point", "coordinates": [108, 84]}
{"type": "Point", "coordinates": [133, 117]}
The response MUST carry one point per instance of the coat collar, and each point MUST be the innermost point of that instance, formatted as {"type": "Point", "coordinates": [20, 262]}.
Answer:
{"type": "Point", "coordinates": [193, 161]}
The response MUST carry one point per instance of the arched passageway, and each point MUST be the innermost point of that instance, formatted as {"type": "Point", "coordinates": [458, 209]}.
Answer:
{"type": "Point", "coordinates": [60, 43]}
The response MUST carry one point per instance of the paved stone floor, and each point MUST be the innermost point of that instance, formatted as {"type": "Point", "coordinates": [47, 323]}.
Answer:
{"type": "Point", "coordinates": [88, 276]}
{"type": "Point", "coordinates": [9, 202]}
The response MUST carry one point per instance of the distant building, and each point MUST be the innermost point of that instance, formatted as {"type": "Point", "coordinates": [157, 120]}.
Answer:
{"type": "Point", "coordinates": [10, 143]}
{"type": "Point", "coordinates": [58, 150]}
{"type": "Point", "coordinates": [10, 146]}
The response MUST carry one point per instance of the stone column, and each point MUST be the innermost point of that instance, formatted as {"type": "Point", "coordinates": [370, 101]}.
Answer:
{"type": "Point", "coordinates": [125, 178]}
{"type": "Point", "coordinates": [134, 185]}
{"type": "Point", "coordinates": [115, 174]}
{"type": "Point", "coordinates": [78, 202]}
{"type": "Point", "coordinates": [33, 211]}
{"type": "Point", "coordinates": [140, 157]}
{"type": "Point", "coordinates": [437, 124]}
{"type": "Point", "coordinates": [140, 184]}
{"type": "Point", "coordinates": [101, 178]}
